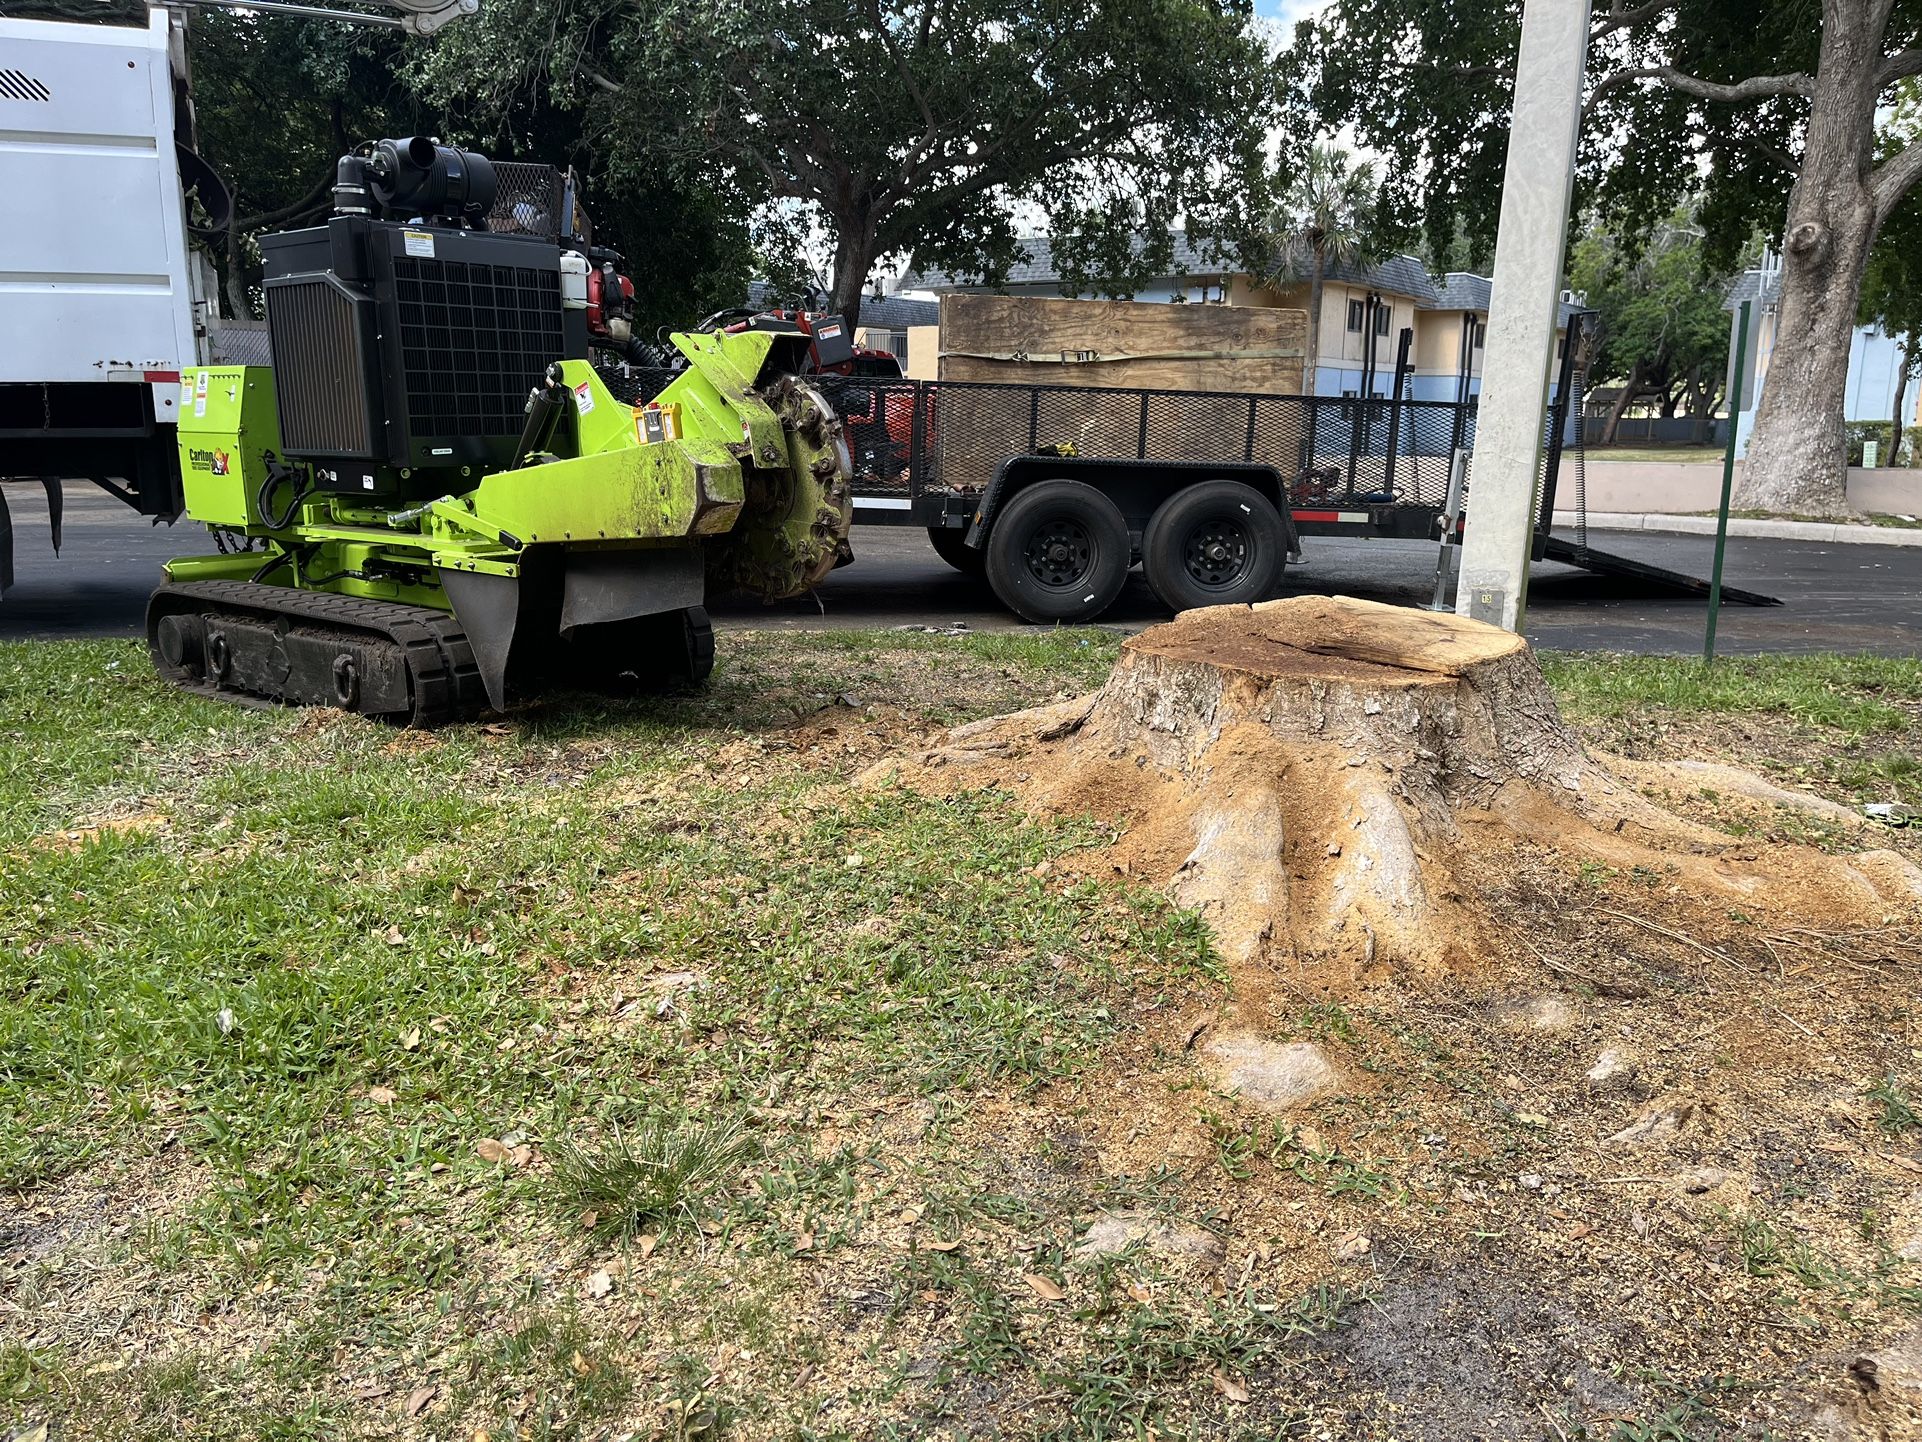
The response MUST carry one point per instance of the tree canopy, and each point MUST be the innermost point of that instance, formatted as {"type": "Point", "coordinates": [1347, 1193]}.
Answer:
{"type": "Point", "coordinates": [936, 127]}
{"type": "Point", "coordinates": [1430, 87]}
{"type": "Point", "coordinates": [1325, 215]}
{"type": "Point", "coordinates": [1664, 333]}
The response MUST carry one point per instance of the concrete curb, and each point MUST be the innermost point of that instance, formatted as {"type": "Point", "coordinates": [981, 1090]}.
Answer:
{"type": "Point", "coordinates": [1835, 534]}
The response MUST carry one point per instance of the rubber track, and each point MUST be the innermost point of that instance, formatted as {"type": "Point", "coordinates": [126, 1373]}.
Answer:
{"type": "Point", "coordinates": [446, 683]}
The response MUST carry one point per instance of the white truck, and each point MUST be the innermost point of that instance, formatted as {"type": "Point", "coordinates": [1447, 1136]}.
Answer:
{"type": "Point", "coordinates": [104, 303]}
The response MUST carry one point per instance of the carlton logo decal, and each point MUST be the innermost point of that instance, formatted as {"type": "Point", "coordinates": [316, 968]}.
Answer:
{"type": "Point", "coordinates": [214, 462]}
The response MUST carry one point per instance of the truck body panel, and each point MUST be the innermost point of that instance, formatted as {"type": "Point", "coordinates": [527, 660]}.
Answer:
{"type": "Point", "coordinates": [96, 278]}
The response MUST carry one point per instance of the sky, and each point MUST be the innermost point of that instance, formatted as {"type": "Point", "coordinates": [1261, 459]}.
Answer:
{"type": "Point", "coordinates": [1289, 11]}
{"type": "Point", "coordinates": [1282, 14]}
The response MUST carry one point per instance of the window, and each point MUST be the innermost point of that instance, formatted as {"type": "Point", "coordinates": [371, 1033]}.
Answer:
{"type": "Point", "coordinates": [1350, 395]}
{"type": "Point", "coordinates": [1481, 334]}
{"type": "Point", "coordinates": [1383, 312]}
{"type": "Point", "coordinates": [1354, 316]}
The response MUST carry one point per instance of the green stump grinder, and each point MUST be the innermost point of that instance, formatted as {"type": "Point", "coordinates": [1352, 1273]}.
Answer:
{"type": "Point", "coordinates": [410, 533]}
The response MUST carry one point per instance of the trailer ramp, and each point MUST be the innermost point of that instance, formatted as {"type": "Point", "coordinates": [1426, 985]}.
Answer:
{"type": "Point", "coordinates": [1606, 563]}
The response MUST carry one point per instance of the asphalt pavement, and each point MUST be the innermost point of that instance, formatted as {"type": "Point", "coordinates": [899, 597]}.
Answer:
{"type": "Point", "coordinates": [1837, 597]}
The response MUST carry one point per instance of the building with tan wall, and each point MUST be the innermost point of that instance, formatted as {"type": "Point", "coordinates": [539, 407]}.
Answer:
{"type": "Point", "coordinates": [1364, 310]}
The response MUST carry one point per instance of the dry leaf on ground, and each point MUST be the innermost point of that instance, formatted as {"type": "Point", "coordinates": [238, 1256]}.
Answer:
{"type": "Point", "coordinates": [1045, 1288]}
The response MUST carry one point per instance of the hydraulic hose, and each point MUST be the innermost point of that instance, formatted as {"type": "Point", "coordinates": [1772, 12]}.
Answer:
{"type": "Point", "coordinates": [277, 476]}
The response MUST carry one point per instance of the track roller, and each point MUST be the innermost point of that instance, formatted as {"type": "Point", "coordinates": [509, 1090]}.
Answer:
{"type": "Point", "coordinates": [277, 646]}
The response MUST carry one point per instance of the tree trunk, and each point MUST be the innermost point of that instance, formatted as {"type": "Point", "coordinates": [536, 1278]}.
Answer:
{"type": "Point", "coordinates": [1671, 398]}
{"type": "Point", "coordinates": [1354, 787]}
{"type": "Point", "coordinates": [1902, 353]}
{"type": "Point", "coordinates": [1700, 396]}
{"type": "Point", "coordinates": [1313, 357]}
{"type": "Point", "coordinates": [853, 259]}
{"type": "Point", "coordinates": [1797, 454]}
{"type": "Point", "coordinates": [1631, 388]}
{"type": "Point", "coordinates": [238, 306]}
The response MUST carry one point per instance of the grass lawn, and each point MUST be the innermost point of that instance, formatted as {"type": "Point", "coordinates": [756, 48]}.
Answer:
{"type": "Point", "coordinates": [619, 1069]}
{"type": "Point", "coordinates": [1700, 455]}
{"type": "Point", "coordinates": [1865, 518]}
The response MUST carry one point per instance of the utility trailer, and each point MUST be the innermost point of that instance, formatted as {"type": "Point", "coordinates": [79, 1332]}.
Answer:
{"type": "Point", "coordinates": [1053, 492]}
{"type": "Point", "coordinates": [1022, 482]}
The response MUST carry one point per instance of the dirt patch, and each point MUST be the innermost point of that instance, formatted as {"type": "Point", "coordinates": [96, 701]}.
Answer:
{"type": "Point", "coordinates": [1608, 1145]}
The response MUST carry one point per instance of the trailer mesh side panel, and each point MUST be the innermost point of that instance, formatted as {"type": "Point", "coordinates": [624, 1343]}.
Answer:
{"type": "Point", "coordinates": [948, 435]}
{"type": "Point", "coordinates": [499, 321]}
{"type": "Point", "coordinates": [909, 436]}
{"type": "Point", "coordinates": [318, 382]}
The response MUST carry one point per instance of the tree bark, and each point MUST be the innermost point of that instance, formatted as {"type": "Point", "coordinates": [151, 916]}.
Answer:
{"type": "Point", "coordinates": [853, 259]}
{"type": "Point", "coordinates": [1315, 285]}
{"type": "Point", "coordinates": [1797, 454]}
{"type": "Point", "coordinates": [1700, 396]}
{"type": "Point", "coordinates": [238, 306]}
{"type": "Point", "coordinates": [1631, 388]}
{"type": "Point", "coordinates": [1902, 353]}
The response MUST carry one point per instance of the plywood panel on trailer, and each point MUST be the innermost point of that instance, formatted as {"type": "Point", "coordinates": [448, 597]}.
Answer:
{"type": "Point", "coordinates": [1035, 340]}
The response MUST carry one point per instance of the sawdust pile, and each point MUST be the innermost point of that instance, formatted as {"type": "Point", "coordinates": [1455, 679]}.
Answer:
{"type": "Point", "coordinates": [1345, 790]}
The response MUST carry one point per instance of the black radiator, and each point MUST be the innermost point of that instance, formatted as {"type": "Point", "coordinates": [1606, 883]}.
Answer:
{"type": "Point", "coordinates": [399, 346]}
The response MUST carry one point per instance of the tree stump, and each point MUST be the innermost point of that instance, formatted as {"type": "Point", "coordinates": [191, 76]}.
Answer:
{"type": "Point", "coordinates": [1323, 778]}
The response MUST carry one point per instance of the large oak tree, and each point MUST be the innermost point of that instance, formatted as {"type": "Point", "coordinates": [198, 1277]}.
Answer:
{"type": "Point", "coordinates": [933, 127]}
{"type": "Point", "coordinates": [1769, 108]}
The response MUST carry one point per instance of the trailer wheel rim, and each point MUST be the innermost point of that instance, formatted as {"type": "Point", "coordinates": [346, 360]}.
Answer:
{"type": "Point", "coordinates": [1060, 552]}
{"type": "Point", "coordinates": [1217, 553]}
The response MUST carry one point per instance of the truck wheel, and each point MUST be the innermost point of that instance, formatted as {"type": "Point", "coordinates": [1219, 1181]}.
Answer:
{"type": "Point", "coordinates": [949, 545]}
{"type": "Point", "coordinates": [1214, 544]}
{"type": "Point", "coordinates": [1059, 553]}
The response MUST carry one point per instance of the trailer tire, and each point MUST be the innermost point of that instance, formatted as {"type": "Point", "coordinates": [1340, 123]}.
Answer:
{"type": "Point", "coordinates": [1217, 543]}
{"type": "Point", "coordinates": [951, 546]}
{"type": "Point", "coordinates": [1059, 553]}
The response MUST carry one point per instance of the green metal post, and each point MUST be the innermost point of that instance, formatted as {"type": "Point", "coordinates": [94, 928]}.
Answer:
{"type": "Point", "coordinates": [1728, 482]}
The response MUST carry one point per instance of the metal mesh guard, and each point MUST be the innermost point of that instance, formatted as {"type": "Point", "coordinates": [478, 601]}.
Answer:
{"type": "Point", "coordinates": [527, 202]}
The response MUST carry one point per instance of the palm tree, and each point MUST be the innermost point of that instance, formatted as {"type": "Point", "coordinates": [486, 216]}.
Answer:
{"type": "Point", "coordinates": [1321, 221]}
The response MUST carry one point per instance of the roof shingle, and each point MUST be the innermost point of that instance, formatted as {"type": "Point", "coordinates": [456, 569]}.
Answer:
{"type": "Point", "coordinates": [1400, 274]}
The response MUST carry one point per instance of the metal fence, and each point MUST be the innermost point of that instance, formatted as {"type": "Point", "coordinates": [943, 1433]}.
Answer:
{"type": "Point", "coordinates": [951, 435]}
{"type": "Point", "coordinates": [1654, 430]}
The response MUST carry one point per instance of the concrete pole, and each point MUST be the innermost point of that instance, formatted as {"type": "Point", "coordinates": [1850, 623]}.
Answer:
{"type": "Point", "coordinates": [1522, 311]}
